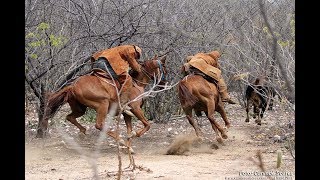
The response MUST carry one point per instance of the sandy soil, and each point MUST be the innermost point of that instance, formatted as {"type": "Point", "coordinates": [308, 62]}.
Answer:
{"type": "Point", "coordinates": [69, 155]}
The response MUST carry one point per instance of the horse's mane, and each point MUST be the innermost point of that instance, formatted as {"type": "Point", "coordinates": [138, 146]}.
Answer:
{"type": "Point", "coordinates": [133, 73]}
{"type": "Point", "coordinates": [149, 64]}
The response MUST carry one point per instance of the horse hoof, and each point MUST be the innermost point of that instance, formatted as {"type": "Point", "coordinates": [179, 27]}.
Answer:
{"type": "Point", "coordinates": [219, 139]}
{"type": "Point", "coordinates": [247, 120]}
{"type": "Point", "coordinates": [83, 131]}
{"type": "Point", "coordinates": [258, 122]}
{"type": "Point", "coordinates": [224, 136]}
{"type": "Point", "coordinates": [132, 134]}
{"type": "Point", "coordinates": [42, 134]}
{"type": "Point", "coordinates": [122, 142]}
{"type": "Point", "coordinates": [125, 150]}
{"type": "Point", "coordinates": [214, 146]}
{"type": "Point", "coordinates": [39, 136]}
{"type": "Point", "coordinates": [131, 150]}
{"type": "Point", "coordinates": [200, 138]}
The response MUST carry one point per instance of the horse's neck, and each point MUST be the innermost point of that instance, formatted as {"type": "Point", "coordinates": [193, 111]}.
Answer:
{"type": "Point", "coordinates": [142, 80]}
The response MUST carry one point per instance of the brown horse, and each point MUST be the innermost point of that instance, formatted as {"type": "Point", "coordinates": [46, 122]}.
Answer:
{"type": "Point", "coordinates": [100, 93]}
{"type": "Point", "coordinates": [198, 94]}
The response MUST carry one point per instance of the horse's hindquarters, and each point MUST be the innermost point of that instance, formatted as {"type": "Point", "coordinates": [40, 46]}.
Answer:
{"type": "Point", "coordinates": [91, 91]}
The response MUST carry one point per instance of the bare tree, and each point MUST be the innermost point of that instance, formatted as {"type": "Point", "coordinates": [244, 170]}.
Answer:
{"type": "Point", "coordinates": [61, 35]}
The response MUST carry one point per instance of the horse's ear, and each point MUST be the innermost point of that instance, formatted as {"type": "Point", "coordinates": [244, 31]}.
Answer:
{"type": "Point", "coordinates": [155, 57]}
{"type": "Point", "coordinates": [163, 59]}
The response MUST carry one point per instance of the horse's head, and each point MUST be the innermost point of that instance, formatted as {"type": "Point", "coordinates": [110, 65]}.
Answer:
{"type": "Point", "coordinates": [153, 69]}
{"type": "Point", "coordinates": [156, 69]}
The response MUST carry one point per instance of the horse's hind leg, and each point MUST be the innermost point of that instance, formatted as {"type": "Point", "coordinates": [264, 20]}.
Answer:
{"type": "Point", "coordinates": [215, 129]}
{"type": "Point", "coordinates": [195, 126]}
{"type": "Point", "coordinates": [271, 103]}
{"type": "Point", "coordinates": [222, 112]}
{"type": "Point", "coordinates": [247, 110]}
{"type": "Point", "coordinates": [259, 112]}
{"type": "Point", "coordinates": [214, 124]}
{"type": "Point", "coordinates": [255, 111]}
{"type": "Point", "coordinates": [77, 111]}
{"type": "Point", "coordinates": [102, 111]}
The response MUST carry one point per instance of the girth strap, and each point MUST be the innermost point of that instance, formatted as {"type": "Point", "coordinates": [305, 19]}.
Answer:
{"type": "Point", "coordinates": [104, 76]}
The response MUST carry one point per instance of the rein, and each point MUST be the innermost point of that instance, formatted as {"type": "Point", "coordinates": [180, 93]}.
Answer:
{"type": "Point", "coordinates": [150, 76]}
{"type": "Point", "coordinates": [161, 71]}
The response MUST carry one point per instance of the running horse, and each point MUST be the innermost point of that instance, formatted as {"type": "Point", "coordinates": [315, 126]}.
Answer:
{"type": "Point", "coordinates": [260, 95]}
{"type": "Point", "coordinates": [198, 94]}
{"type": "Point", "coordinates": [91, 90]}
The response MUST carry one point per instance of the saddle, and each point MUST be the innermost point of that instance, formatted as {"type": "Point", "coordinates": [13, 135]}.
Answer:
{"type": "Point", "coordinates": [196, 71]}
{"type": "Point", "coordinates": [102, 69]}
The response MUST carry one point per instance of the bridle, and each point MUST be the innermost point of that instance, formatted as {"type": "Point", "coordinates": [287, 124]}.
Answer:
{"type": "Point", "coordinates": [163, 78]}
{"type": "Point", "coordinates": [150, 76]}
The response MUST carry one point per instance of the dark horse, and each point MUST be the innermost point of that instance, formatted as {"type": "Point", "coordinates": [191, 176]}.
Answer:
{"type": "Point", "coordinates": [261, 96]}
{"type": "Point", "coordinates": [100, 93]}
{"type": "Point", "coordinates": [198, 94]}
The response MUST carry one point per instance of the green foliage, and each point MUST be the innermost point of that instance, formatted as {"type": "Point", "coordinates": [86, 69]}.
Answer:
{"type": "Point", "coordinates": [277, 34]}
{"type": "Point", "coordinates": [283, 43]}
{"type": "Point", "coordinates": [38, 40]}
{"type": "Point", "coordinates": [33, 56]}
{"type": "Point", "coordinates": [43, 26]}
{"type": "Point", "coordinates": [30, 35]}
{"type": "Point", "coordinates": [293, 27]}
{"type": "Point", "coordinates": [267, 31]}
{"type": "Point", "coordinates": [34, 44]}
{"type": "Point", "coordinates": [57, 40]}
{"type": "Point", "coordinates": [89, 116]}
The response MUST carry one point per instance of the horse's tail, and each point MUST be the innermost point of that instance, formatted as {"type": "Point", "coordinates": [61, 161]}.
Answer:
{"type": "Point", "coordinates": [56, 100]}
{"type": "Point", "coordinates": [187, 99]}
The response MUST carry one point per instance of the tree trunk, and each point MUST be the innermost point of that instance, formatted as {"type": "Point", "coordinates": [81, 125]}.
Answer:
{"type": "Point", "coordinates": [42, 124]}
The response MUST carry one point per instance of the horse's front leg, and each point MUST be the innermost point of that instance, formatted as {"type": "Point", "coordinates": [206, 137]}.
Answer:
{"type": "Point", "coordinates": [137, 111]}
{"type": "Point", "coordinates": [222, 112]}
{"type": "Point", "coordinates": [128, 122]}
{"type": "Point", "coordinates": [130, 135]}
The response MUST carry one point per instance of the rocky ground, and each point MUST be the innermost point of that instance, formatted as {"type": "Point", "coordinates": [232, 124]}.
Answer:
{"type": "Point", "coordinates": [69, 155]}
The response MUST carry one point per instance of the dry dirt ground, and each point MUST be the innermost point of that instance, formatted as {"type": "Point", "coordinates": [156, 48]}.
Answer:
{"type": "Point", "coordinates": [68, 155]}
